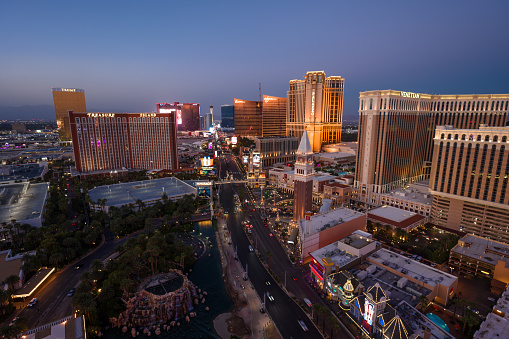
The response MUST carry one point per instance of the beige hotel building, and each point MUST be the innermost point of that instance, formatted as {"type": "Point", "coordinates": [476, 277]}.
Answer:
{"type": "Point", "coordinates": [396, 131]}
{"type": "Point", "coordinates": [469, 181]}
{"type": "Point", "coordinates": [315, 104]}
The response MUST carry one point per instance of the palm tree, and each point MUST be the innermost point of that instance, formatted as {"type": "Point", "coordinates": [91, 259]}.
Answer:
{"type": "Point", "coordinates": [84, 303]}
{"type": "Point", "coordinates": [56, 257]}
{"type": "Point", "coordinates": [125, 285]}
{"type": "Point", "coordinates": [423, 302]}
{"type": "Point", "coordinates": [11, 281]}
{"type": "Point", "coordinates": [97, 265]}
{"type": "Point", "coordinates": [4, 298]}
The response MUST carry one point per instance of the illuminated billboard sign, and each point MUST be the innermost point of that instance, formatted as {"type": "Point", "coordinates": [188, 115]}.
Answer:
{"type": "Point", "coordinates": [234, 140]}
{"type": "Point", "coordinates": [210, 145]}
{"type": "Point", "coordinates": [245, 159]}
{"type": "Point", "coordinates": [207, 162]}
{"type": "Point", "coordinates": [256, 159]}
{"type": "Point", "coordinates": [369, 312]}
{"type": "Point", "coordinates": [171, 110]}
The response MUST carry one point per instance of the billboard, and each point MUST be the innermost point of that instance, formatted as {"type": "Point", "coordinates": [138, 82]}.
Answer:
{"type": "Point", "coordinates": [256, 159]}
{"type": "Point", "coordinates": [369, 312]}
{"type": "Point", "coordinates": [245, 159]}
{"type": "Point", "coordinates": [234, 140]}
{"type": "Point", "coordinates": [210, 145]}
{"type": "Point", "coordinates": [207, 162]}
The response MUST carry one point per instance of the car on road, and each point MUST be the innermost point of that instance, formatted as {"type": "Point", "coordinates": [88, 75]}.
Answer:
{"type": "Point", "coordinates": [294, 278]}
{"type": "Point", "coordinates": [71, 292]}
{"type": "Point", "coordinates": [78, 266]}
{"type": "Point", "coordinates": [491, 299]}
{"type": "Point", "coordinates": [308, 302]}
{"type": "Point", "coordinates": [251, 248]}
{"type": "Point", "coordinates": [303, 325]}
{"type": "Point", "coordinates": [13, 321]}
{"type": "Point", "coordinates": [267, 283]}
{"type": "Point", "coordinates": [32, 302]}
{"type": "Point", "coordinates": [250, 216]}
{"type": "Point", "coordinates": [270, 297]}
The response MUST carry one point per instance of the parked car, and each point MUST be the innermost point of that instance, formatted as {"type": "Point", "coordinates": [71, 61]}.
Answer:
{"type": "Point", "coordinates": [308, 302]}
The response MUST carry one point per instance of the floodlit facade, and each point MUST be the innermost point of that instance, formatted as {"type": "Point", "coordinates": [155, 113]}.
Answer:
{"type": "Point", "coordinates": [469, 180]}
{"type": "Point", "coordinates": [65, 100]}
{"type": "Point", "coordinates": [273, 116]}
{"type": "Point", "coordinates": [315, 104]}
{"type": "Point", "coordinates": [303, 179]}
{"type": "Point", "coordinates": [248, 118]}
{"type": "Point", "coordinates": [188, 115]}
{"type": "Point", "coordinates": [109, 141]}
{"type": "Point", "coordinates": [276, 149]}
{"type": "Point", "coordinates": [396, 132]}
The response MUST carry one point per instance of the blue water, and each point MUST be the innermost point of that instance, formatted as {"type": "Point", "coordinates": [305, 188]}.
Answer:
{"type": "Point", "coordinates": [207, 275]}
{"type": "Point", "coordinates": [439, 322]}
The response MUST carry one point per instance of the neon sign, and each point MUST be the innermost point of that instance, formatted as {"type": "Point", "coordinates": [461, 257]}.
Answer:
{"type": "Point", "coordinates": [101, 115]}
{"type": "Point", "coordinates": [410, 95]}
{"type": "Point", "coordinates": [369, 311]}
{"type": "Point", "coordinates": [68, 89]}
{"type": "Point", "coordinates": [147, 115]}
{"type": "Point", "coordinates": [237, 101]}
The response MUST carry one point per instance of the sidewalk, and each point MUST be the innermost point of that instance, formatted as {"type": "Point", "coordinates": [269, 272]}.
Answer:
{"type": "Point", "coordinates": [248, 303]}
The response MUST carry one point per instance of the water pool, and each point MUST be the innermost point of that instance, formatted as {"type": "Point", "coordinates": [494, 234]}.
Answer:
{"type": "Point", "coordinates": [438, 321]}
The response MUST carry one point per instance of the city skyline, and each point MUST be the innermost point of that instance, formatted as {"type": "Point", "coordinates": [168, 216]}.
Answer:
{"type": "Point", "coordinates": [127, 60]}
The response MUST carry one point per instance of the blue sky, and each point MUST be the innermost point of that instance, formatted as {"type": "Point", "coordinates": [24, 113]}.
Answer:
{"type": "Point", "coordinates": [128, 55]}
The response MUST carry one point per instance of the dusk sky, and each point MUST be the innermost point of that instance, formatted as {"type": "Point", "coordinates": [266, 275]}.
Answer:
{"type": "Point", "coordinates": [129, 55]}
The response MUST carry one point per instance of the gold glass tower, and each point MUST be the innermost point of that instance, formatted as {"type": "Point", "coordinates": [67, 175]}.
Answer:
{"type": "Point", "coordinates": [315, 104]}
{"type": "Point", "coordinates": [65, 100]}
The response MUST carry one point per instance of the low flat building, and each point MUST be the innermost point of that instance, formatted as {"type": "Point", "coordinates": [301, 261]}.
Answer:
{"type": "Point", "coordinates": [71, 327]}
{"type": "Point", "coordinates": [477, 256]}
{"type": "Point", "coordinates": [340, 255]}
{"type": "Point", "coordinates": [496, 324]}
{"type": "Point", "coordinates": [10, 265]}
{"type": "Point", "coordinates": [335, 158]}
{"type": "Point", "coordinates": [276, 149]}
{"type": "Point", "coordinates": [320, 230]}
{"type": "Point", "coordinates": [340, 194]}
{"type": "Point", "coordinates": [415, 198]}
{"type": "Point", "coordinates": [23, 202]}
{"type": "Point", "coordinates": [443, 286]}
{"type": "Point", "coordinates": [396, 218]}
{"type": "Point", "coordinates": [146, 191]}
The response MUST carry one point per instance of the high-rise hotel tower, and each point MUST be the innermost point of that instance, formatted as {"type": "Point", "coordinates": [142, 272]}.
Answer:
{"type": "Point", "coordinates": [470, 180]}
{"type": "Point", "coordinates": [107, 141]}
{"type": "Point", "coordinates": [315, 104]}
{"type": "Point", "coordinates": [65, 100]}
{"type": "Point", "coordinates": [396, 132]}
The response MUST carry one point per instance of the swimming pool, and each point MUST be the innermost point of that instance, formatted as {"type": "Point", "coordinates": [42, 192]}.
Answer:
{"type": "Point", "coordinates": [439, 322]}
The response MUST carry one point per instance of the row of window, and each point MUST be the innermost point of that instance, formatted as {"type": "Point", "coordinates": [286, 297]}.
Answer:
{"type": "Point", "coordinates": [471, 137]}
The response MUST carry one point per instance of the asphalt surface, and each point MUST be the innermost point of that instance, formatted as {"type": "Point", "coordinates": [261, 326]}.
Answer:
{"type": "Point", "coordinates": [284, 311]}
{"type": "Point", "coordinates": [53, 302]}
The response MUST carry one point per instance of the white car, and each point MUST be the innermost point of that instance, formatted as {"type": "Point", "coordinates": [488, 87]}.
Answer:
{"type": "Point", "coordinates": [303, 325]}
{"type": "Point", "coordinates": [271, 298]}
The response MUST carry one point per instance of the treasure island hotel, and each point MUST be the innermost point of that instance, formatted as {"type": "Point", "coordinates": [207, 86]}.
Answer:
{"type": "Point", "coordinates": [315, 104]}
{"type": "Point", "coordinates": [407, 137]}
{"type": "Point", "coordinates": [106, 141]}
{"type": "Point", "coordinates": [65, 100]}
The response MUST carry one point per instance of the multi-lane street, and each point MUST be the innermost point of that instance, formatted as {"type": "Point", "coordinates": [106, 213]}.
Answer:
{"type": "Point", "coordinates": [283, 310]}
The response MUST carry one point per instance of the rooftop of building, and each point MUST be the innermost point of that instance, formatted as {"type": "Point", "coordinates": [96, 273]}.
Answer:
{"type": "Point", "coordinates": [433, 96]}
{"type": "Point", "coordinates": [357, 240]}
{"type": "Point", "coordinates": [320, 222]}
{"type": "Point", "coordinates": [412, 268]}
{"type": "Point", "coordinates": [417, 322]}
{"type": "Point", "coordinates": [394, 216]}
{"type": "Point", "coordinates": [483, 128]}
{"type": "Point", "coordinates": [493, 327]}
{"type": "Point", "coordinates": [275, 137]}
{"type": "Point", "coordinates": [321, 176]}
{"type": "Point", "coordinates": [21, 172]}
{"type": "Point", "coordinates": [335, 155]}
{"type": "Point", "coordinates": [126, 193]}
{"type": "Point", "coordinates": [70, 327]}
{"type": "Point", "coordinates": [337, 184]}
{"type": "Point", "coordinates": [502, 306]}
{"type": "Point", "coordinates": [22, 201]}
{"type": "Point", "coordinates": [482, 249]}
{"type": "Point", "coordinates": [339, 257]}
{"type": "Point", "coordinates": [416, 192]}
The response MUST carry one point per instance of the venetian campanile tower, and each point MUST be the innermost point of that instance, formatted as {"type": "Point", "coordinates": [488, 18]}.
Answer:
{"type": "Point", "coordinates": [303, 179]}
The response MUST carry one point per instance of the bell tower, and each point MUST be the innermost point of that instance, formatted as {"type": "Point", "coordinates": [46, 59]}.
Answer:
{"type": "Point", "coordinates": [303, 179]}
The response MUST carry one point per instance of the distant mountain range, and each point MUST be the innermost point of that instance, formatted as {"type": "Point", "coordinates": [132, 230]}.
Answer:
{"type": "Point", "coordinates": [43, 112]}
